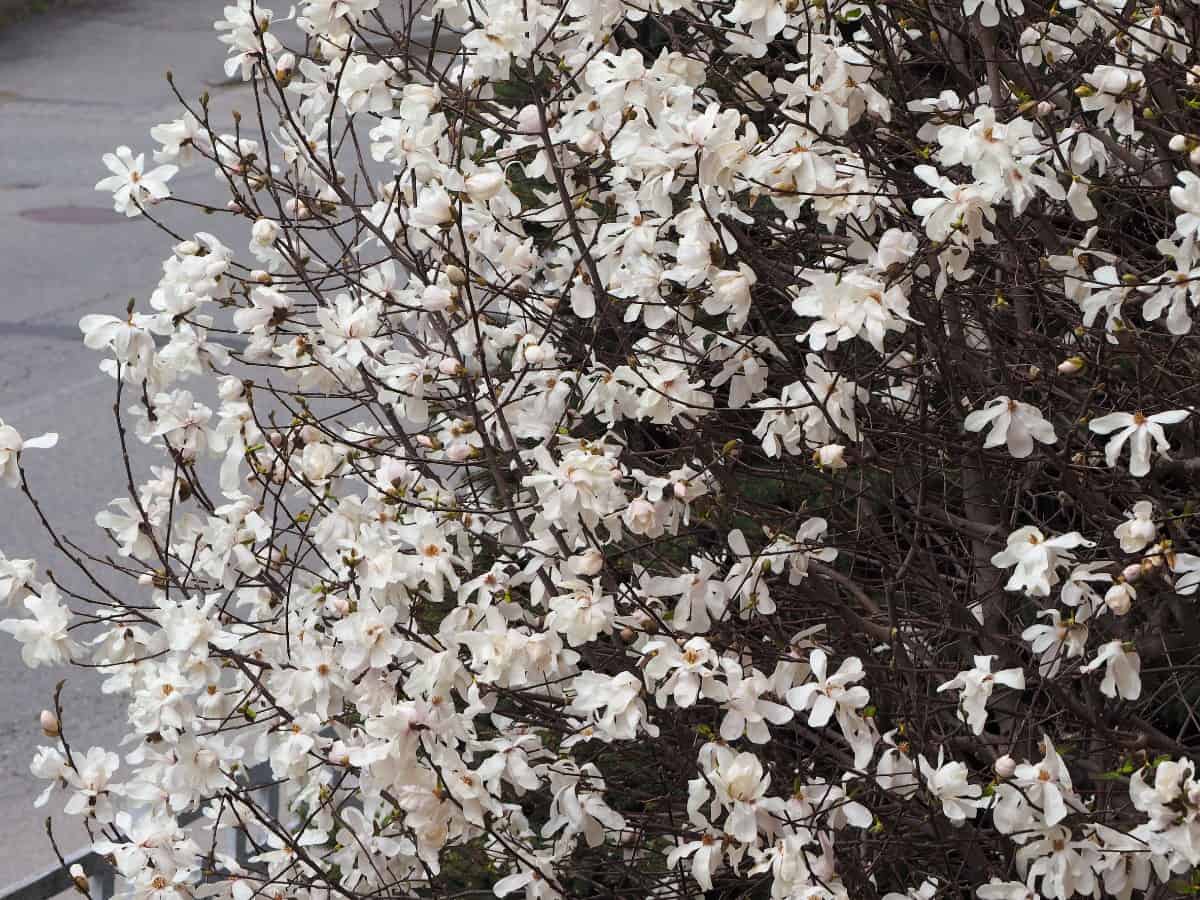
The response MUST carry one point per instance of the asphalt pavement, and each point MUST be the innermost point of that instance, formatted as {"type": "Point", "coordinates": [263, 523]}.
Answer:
{"type": "Point", "coordinates": [74, 84]}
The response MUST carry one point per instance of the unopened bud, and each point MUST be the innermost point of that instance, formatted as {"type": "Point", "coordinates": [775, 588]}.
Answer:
{"type": "Point", "coordinates": [450, 366]}
{"type": "Point", "coordinates": [231, 388]}
{"type": "Point", "coordinates": [265, 232]}
{"type": "Point", "coordinates": [628, 635]}
{"type": "Point", "coordinates": [831, 456]}
{"type": "Point", "coordinates": [1005, 766]}
{"type": "Point", "coordinates": [1194, 157]}
{"type": "Point", "coordinates": [1045, 108]}
{"type": "Point", "coordinates": [296, 208]}
{"type": "Point", "coordinates": [49, 723]}
{"type": "Point", "coordinates": [587, 563]}
{"type": "Point", "coordinates": [1072, 365]}
{"type": "Point", "coordinates": [79, 878]}
{"type": "Point", "coordinates": [1119, 598]}
{"type": "Point", "coordinates": [528, 120]}
{"type": "Point", "coordinates": [1085, 90]}
{"type": "Point", "coordinates": [1132, 572]}
{"type": "Point", "coordinates": [589, 141]}
{"type": "Point", "coordinates": [283, 68]}
{"type": "Point", "coordinates": [1178, 143]}
{"type": "Point", "coordinates": [456, 276]}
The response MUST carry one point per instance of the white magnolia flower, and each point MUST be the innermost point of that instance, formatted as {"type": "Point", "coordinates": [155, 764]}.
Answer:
{"type": "Point", "coordinates": [896, 771]}
{"type": "Point", "coordinates": [706, 854]}
{"type": "Point", "coordinates": [1036, 795]}
{"type": "Point", "coordinates": [1037, 559]}
{"type": "Point", "coordinates": [45, 639]}
{"type": "Point", "coordinates": [1186, 197]}
{"type": "Point", "coordinates": [183, 140]}
{"type": "Point", "coordinates": [1138, 429]}
{"type": "Point", "coordinates": [948, 782]}
{"type": "Point", "coordinates": [1122, 668]}
{"type": "Point", "coordinates": [132, 188]}
{"type": "Point", "coordinates": [975, 687]}
{"type": "Point", "coordinates": [740, 783]}
{"type": "Point", "coordinates": [1139, 530]}
{"type": "Point", "coordinates": [1014, 423]}
{"type": "Point", "coordinates": [827, 692]}
{"type": "Point", "coordinates": [11, 445]}
{"type": "Point", "coordinates": [1061, 639]}
{"type": "Point", "coordinates": [1113, 90]}
{"type": "Point", "coordinates": [1077, 590]}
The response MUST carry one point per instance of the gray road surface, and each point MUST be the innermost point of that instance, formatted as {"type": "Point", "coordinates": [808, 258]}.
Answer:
{"type": "Point", "coordinates": [74, 84]}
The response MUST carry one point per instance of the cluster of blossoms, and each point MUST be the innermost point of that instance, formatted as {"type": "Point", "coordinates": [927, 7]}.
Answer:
{"type": "Point", "coordinates": [612, 449]}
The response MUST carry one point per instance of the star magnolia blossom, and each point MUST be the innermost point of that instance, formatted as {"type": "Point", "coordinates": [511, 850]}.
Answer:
{"type": "Point", "coordinates": [1139, 530]}
{"type": "Point", "coordinates": [132, 187]}
{"type": "Point", "coordinates": [1037, 559]}
{"type": "Point", "coordinates": [1136, 429]}
{"type": "Point", "coordinates": [11, 445]}
{"type": "Point", "coordinates": [1013, 423]}
{"type": "Point", "coordinates": [975, 686]}
{"type": "Point", "coordinates": [947, 782]}
{"type": "Point", "coordinates": [1121, 667]}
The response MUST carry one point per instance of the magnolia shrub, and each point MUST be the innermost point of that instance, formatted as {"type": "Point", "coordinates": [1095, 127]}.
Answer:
{"type": "Point", "coordinates": [638, 450]}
